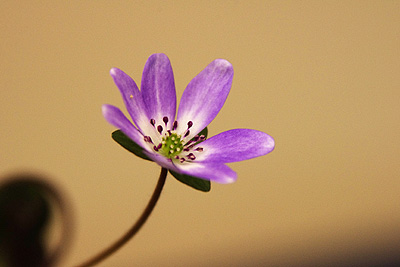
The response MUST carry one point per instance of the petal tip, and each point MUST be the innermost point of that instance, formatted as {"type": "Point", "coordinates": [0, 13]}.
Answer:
{"type": "Point", "coordinates": [117, 73]}
{"type": "Point", "coordinates": [105, 109]}
{"type": "Point", "coordinates": [158, 57]}
{"type": "Point", "coordinates": [113, 71]}
{"type": "Point", "coordinates": [269, 144]}
{"type": "Point", "coordinates": [230, 180]}
{"type": "Point", "coordinates": [223, 63]}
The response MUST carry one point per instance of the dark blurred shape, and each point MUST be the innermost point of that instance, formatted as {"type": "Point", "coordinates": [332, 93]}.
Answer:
{"type": "Point", "coordinates": [27, 203]}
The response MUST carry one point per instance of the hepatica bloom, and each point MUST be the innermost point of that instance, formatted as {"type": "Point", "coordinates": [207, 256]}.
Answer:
{"type": "Point", "coordinates": [179, 143]}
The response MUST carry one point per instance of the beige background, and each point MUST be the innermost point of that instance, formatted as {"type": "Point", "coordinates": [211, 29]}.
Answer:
{"type": "Point", "coordinates": [321, 77]}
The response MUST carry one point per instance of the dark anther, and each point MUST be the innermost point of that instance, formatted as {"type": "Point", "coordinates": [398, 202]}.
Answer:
{"type": "Point", "coordinates": [169, 132]}
{"type": "Point", "coordinates": [148, 139]}
{"type": "Point", "coordinates": [187, 133]}
{"type": "Point", "coordinates": [159, 129]}
{"type": "Point", "coordinates": [188, 143]}
{"type": "Point", "coordinates": [155, 148]}
{"type": "Point", "coordinates": [181, 160]}
{"type": "Point", "coordinates": [186, 149]}
{"type": "Point", "coordinates": [165, 119]}
{"type": "Point", "coordinates": [190, 147]}
{"type": "Point", "coordinates": [177, 157]}
{"type": "Point", "coordinates": [199, 149]}
{"type": "Point", "coordinates": [190, 124]}
{"type": "Point", "coordinates": [196, 138]}
{"type": "Point", "coordinates": [159, 146]}
{"type": "Point", "coordinates": [153, 122]}
{"type": "Point", "coordinates": [175, 125]}
{"type": "Point", "coordinates": [202, 138]}
{"type": "Point", "coordinates": [191, 156]}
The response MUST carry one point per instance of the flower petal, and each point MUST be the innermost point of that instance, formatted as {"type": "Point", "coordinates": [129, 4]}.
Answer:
{"type": "Point", "coordinates": [216, 172]}
{"type": "Point", "coordinates": [132, 99]}
{"type": "Point", "coordinates": [158, 89]}
{"type": "Point", "coordinates": [115, 117]}
{"type": "Point", "coordinates": [204, 96]}
{"type": "Point", "coordinates": [162, 161]}
{"type": "Point", "coordinates": [235, 145]}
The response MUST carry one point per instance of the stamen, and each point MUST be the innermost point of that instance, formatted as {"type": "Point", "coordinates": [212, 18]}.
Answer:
{"type": "Point", "coordinates": [191, 156]}
{"type": "Point", "coordinates": [159, 129]}
{"type": "Point", "coordinates": [200, 149]}
{"type": "Point", "coordinates": [190, 124]}
{"type": "Point", "coordinates": [148, 139]}
{"type": "Point", "coordinates": [155, 148]}
{"type": "Point", "coordinates": [177, 157]}
{"type": "Point", "coordinates": [196, 138]}
{"type": "Point", "coordinates": [182, 160]}
{"type": "Point", "coordinates": [191, 146]}
{"type": "Point", "coordinates": [188, 143]}
{"type": "Point", "coordinates": [165, 119]}
{"type": "Point", "coordinates": [187, 133]}
{"type": "Point", "coordinates": [174, 125]}
{"type": "Point", "coordinates": [153, 122]}
{"type": "Point", "coordinates": [202, 138]}
{"type": "Point", "coordinates": [186, 149]}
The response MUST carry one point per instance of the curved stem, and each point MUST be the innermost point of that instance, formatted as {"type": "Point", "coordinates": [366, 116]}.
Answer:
{"type": "Point", "coordinates": [135, 228]}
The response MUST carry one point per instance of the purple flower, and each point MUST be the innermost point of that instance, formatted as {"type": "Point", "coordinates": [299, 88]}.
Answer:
{"type": "Point", "coordinates": [172, 142]}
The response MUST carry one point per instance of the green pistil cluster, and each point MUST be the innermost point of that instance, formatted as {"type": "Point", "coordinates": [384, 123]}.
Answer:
{"type": "Point", "coordinates": [171, 145]}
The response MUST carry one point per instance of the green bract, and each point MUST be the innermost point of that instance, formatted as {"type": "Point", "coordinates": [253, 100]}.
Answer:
{"type": "Point", "coordinates": [131, 146]}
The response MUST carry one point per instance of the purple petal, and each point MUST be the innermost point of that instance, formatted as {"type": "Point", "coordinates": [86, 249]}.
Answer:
{"type": "Point", "coordinates": [115, 117]}
{"type": "Point", "coordinates": [132, 99]}
{"type": "Point", "coordinates": [162, 161]}
{"type": "Point", "coordinates": [219, 173]}
{"type": "Point", "coordinates": [158, 89]}
{"type": "Point", "coordinates": [204, 96]}
{"type": "Point", "coordinates": [235, 145]}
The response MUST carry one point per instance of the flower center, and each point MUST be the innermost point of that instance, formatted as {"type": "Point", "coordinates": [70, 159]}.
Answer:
{"type": "Point", "coordinates": [171, 145]}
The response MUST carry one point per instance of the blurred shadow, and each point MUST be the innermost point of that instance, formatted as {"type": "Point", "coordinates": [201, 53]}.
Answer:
{"type": "Point", "coordinates": [27, 203]}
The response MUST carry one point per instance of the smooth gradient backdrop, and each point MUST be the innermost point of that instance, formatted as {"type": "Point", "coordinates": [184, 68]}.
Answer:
{"type": "Point", "coordinates": [321, 77]}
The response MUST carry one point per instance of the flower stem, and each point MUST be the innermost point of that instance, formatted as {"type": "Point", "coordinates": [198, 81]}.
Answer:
{"type": "Point", "coordinates": [135, 228]}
